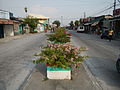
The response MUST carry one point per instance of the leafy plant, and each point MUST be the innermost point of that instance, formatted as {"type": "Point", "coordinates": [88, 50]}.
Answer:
{"type": "Point", "coordinates": [61, 55]}
{"type": "Point", "coordinates": [76, 23]}
{"type": "Point", "coordinates": [60, 35]}
{"type": "Point", "coordinates": [71, 25]}
{"type": "Point", "coordinates": [57, 23]}
{"type": "Point", "coordinates": [32, 22]}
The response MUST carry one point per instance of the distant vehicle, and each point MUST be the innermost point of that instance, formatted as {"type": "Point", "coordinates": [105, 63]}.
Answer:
{"type": "Point", "coordinates": [80, 29]}
{"type": "Point", "coordinates": [105, 35]}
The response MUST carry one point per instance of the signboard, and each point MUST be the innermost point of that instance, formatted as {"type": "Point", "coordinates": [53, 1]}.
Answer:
{"type": "Point", "coordinates": [116, 12]}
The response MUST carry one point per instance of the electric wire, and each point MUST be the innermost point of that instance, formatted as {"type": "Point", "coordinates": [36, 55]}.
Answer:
{"type": "Point", "coordinates": [119, 1]}
{"type": "Point", "coordinates": [106, 8]}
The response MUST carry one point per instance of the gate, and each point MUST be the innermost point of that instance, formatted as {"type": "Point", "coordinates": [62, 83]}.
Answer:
{"type": "Point", "coordinates": [1, 31]}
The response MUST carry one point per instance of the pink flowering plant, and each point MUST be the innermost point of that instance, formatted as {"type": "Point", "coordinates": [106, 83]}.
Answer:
{"type": "Point", "coordinates": [61, 55]}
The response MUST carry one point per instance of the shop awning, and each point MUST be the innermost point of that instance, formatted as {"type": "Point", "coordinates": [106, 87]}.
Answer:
{"type": "Point", "coordinates": [95, 23]}
{"type": "Point", "coordinates": [87, 23]}
{"type": "Point", "coordinates": [114, 19]}
{"type": "Point", "coordinates": [6, 21]}
{"type": "Point", "coordinates": [38, 16]}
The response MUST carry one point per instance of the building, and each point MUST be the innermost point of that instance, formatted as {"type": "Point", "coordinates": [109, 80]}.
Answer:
{"type": "Point", "coordinates": [98, 24]}
{"type": "Point", "coordinates": [115, 22]}
{"type": "Point", "coordinates": [18, 25]}
{"type": "Point", "coordinates": [43, 22]}
{"type": "Point", "coordinates": [6, 25]}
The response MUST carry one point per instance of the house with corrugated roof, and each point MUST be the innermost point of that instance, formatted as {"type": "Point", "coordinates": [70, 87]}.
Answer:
{"type": "Point", "coordinates": [6, 25]}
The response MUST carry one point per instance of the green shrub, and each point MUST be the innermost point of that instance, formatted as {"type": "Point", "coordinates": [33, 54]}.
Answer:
{"type": "Point", "coordinates": [61, 55]}
{"type": "Point", "coordinates": [60, 35]}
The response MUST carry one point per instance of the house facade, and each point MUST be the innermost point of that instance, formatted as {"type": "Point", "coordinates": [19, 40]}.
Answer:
{"type": "Point", "coordinates": [6, 28]}
{"type": "Point", "coordinates": [115, 22]}
{"type": "Point", "coordinates": [18, 26]}
{"type": "Point", "coordinates": [98, 24]}
{"type": "Point", "coordinates": [42, 22]}
{"type": "Point", "coordinates": [6, 25]}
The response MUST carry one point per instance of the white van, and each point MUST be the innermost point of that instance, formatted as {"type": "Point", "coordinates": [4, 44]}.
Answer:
{"type": "Point", "coordinates": [80, 29]}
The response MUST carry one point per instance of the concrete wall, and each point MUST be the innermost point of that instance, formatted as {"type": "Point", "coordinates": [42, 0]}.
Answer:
{"type": "Point", "coordinates": [8, 30]}
{"type": "Point", "coordinates": [16, 26]}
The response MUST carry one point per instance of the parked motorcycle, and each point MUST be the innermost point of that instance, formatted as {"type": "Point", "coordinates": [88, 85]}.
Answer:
{"type": "Point", "coordinates": [118, 64]}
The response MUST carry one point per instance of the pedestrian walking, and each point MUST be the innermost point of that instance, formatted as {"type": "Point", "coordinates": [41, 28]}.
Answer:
{"type": "Point", "coordinates": [110, 34]}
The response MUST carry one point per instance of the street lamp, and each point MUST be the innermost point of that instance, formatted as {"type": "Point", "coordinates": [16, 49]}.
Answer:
{"type": "Point", "coordinates": [61, 21]}
{"type": "Point", "coordinates": [25, 9]}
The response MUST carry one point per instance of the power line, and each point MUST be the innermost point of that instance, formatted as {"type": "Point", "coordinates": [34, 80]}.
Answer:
{"type": "Point", "coordinates": [114, 4]}
{"type": "Point", "coordinates": [119, 1]}
{"type": "Point", "coordinates": [118, 4]}
{"type": "Point", "coordinates": [103, 10]}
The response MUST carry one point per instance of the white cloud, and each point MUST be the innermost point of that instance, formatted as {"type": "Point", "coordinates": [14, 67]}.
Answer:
{"type": "Point", "coordinates": [46, 11]}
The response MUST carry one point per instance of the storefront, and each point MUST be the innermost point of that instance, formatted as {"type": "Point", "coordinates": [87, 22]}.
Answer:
{"type": "Point", "coordinates": [115, 23]}
{"type": "Point", "coordinates": [1, 31]}
{"type": "Point", "coordinates": [6, 28]}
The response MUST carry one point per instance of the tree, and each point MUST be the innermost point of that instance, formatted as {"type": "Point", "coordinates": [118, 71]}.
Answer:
{"type": "Point", "coordinates": [81, 21]}
{"type": "Point", "coordinates": [32, 22]}
{"type": "Point", "coordinates": [71, 25]}
{"type": "Point", "coordinates": [76, 23]}
{"type": "Point", "coordinates": [57, 23]}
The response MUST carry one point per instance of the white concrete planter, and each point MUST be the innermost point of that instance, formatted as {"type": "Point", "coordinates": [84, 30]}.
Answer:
{"type": "Point", "coordinates": [58, 73]}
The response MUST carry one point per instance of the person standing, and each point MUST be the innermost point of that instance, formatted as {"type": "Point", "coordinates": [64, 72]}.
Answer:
{"type": "Point", "coordinates": [110, 34]}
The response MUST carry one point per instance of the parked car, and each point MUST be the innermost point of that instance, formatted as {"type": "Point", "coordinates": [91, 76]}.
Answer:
{"type": "Point", "coordinates": [80, 29]}
{"type": "Point", "coordinates": [105, 35]}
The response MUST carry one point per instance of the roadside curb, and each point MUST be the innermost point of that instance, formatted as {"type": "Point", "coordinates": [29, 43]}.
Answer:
{"type": "Point", "coordinates": [27, 78]}
{"type": "Point", "coordinates": [92, 77]}
{"type": "Point", "coordinates": [90, 74]}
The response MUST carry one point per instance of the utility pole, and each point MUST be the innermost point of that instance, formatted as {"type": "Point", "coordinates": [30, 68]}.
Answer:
{"type": "Point", "coordinates": [26, 10]}
{"type": "Point", "coordinates": [61, 20]}
{"type": "Point", "coordinates": [113, 23]}
{"type": "Point", "coordinates": [114, 4]}
{"type": "Point", "coordinates": [84, 15]}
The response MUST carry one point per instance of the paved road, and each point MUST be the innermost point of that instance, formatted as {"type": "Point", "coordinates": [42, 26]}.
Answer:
{"type": "Point", "coordinates": [103, 55]}
{"type": "Point", "coordinates": [16, 59]}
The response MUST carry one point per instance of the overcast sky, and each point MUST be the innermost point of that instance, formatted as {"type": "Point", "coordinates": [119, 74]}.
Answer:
{"type": "Point", "coordinates": [65, 10]}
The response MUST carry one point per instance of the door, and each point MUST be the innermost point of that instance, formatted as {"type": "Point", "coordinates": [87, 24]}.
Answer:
{"type": "Point", "coordinates": [1, 31]}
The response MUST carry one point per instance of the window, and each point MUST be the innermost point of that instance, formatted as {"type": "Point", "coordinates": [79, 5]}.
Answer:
{"type": "Point", "coordinates": [81, 27]}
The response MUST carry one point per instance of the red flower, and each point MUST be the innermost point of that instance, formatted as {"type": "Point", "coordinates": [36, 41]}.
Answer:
{"type": "Point", "coordinates": [70, 34]}
{"type": "Point", "coordinates": [49, 65]}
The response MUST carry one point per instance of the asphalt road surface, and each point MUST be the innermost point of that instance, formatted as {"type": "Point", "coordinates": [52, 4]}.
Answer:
{"type": "Point", "coordinates": [16, 59]}
{"type": "Point", "coordinates": [102, 58]}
